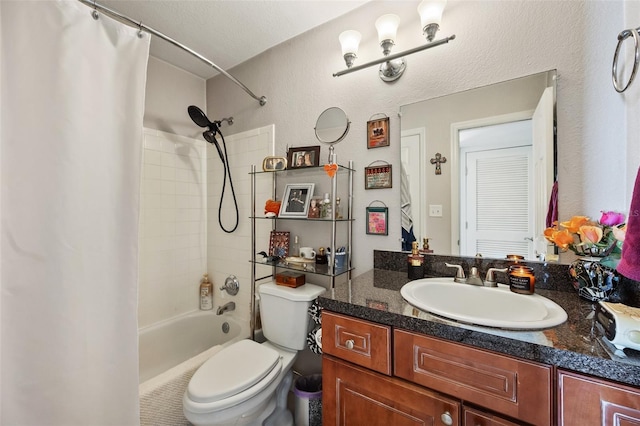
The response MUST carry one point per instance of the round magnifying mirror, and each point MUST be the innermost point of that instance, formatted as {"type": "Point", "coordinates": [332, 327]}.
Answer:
{"type": "Point", "coordinates": [332, 125]}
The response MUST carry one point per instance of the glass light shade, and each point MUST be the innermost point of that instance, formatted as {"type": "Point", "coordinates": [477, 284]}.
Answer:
{"type": "Point", "coordinates": [350, 40]}
{"type": "Point", "coordinates": [430, 11]}
{"type": "Point", "coordinates": [387, 26]}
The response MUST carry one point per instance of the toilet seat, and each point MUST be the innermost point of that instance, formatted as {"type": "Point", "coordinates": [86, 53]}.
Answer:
{"type": "Point", "coordinates": [233, 375]}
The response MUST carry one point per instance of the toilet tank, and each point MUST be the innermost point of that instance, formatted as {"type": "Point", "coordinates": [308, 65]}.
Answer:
{"type": "Point", "coordinates": [283, 311]}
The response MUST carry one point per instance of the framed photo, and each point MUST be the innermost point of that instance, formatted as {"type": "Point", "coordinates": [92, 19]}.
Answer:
{"type": "Point", "coordinates": [304, 156]}
{"type": "Point", "coordinates": [378, 133]}
{"type": "Point", "coordinates": [314, 208]}
{"type": "Point", "coordinates": [271, 164]}
{"type": "Point", "coordinates": [377, 220]}
{"type": "Point", "coordinates": [279, 243]}
{"type": "Point", "coordinates": [376, 177]}
{"type": "Point", "coordinates": [296, 200]}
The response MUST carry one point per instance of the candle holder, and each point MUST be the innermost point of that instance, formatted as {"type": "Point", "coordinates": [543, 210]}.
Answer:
{"type": "Point", "coordinates": [521, 279]}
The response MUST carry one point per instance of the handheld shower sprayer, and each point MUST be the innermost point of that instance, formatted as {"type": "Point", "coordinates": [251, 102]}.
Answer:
{"type": "Point", "coordinates": [213, 129]}
{"type": "Point", "coordinates": [200, 118]}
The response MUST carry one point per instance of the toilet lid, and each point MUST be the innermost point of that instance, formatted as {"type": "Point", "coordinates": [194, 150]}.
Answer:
{"type": "Point", "coordinates": [232, 370]}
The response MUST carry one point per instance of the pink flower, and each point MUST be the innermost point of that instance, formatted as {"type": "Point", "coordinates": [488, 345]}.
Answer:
{"type": "Point", "coordinates": [611, 218]}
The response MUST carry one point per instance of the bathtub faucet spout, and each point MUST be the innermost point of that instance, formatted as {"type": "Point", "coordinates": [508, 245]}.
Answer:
{"type": "Point", "coordinates": [231, 306]}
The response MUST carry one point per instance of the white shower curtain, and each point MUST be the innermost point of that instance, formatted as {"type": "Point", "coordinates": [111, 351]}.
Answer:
{"type": "Point", "coordinates": [71, 129]}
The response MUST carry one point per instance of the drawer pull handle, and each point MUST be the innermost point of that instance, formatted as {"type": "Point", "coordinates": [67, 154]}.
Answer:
{"type": "Point", "coordinates": [446, 418]}
{"type": "Point", "coordinates": [349, 344]}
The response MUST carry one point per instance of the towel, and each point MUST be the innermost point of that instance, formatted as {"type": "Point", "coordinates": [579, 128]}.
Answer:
{"type": "Point", "coordinates": [405, 205]}
{"type": "Point", "coordinates": [629, 265]}
{"type": "Point", "coordinates": [552, 213]}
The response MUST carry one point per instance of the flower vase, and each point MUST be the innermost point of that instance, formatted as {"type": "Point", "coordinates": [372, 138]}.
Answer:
{"type": "Point", "coordinates": [594, 278]}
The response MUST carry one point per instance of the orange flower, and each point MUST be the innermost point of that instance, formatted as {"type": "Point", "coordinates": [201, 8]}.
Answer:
{"type": "Point", "coordinates": [560, 238]}
{"type": "Point", "coordinates": [573, 225]}
{"type": "Point", "coordinates": [548, 233]}
{"type": "Point", "coordinates": [590, 234]}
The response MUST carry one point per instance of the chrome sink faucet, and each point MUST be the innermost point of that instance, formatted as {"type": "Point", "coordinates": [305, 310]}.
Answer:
{"type": "Point", "coordinates": [474, 278]}
{"type": "Point", "coordinates": [231, 306]}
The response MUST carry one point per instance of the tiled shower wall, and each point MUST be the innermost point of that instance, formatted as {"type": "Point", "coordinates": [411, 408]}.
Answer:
{"type": "Point", "coordinates": [173, 225]}
{"type": "Point", "coordinates": [180, 238]}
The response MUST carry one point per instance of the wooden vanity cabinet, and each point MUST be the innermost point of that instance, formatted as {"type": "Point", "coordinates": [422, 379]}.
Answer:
{"type": "Point", "coordinates": [356, 385]}
{"type": "Point", "coordinates": [514, 387]}
{"type": "Point", "coordinates": [584, 400]}
{"type": "Point", "coordinates": [429, 382]}
{"type": "Point", "coordinates": [352, 395]}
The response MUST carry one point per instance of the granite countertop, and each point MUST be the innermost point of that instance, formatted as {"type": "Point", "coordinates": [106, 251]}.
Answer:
{"type": "Point", "coordinates": [575, 345]}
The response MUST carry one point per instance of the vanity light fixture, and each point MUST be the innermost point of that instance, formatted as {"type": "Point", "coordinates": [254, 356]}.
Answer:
{"type": "Point", "coordinates": [392, 66]}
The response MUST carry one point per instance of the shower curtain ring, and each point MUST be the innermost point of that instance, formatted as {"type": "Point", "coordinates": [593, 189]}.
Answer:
{"type": "Point", "coordinates": [140, 34]}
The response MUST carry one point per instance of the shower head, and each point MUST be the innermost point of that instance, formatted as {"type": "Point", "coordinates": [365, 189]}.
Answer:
{"type": "Point", "coordinates": [199, 117]}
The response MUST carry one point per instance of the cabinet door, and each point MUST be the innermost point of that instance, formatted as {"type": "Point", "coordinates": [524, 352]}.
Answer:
{"type": "Point", "coordinates": [354, 396]}
{"type": "Point", "coordinates": [474, 417]}
{"type": "Point", "coordinates": [516, 388]}
{"type": "Point", "coordinates": [586, 401]}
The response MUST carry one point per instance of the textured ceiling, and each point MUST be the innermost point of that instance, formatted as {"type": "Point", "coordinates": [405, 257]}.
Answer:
{"type": "Point", "coordinates": [226, 32]}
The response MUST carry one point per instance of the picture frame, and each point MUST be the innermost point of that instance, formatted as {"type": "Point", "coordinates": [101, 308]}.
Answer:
{"type": "Point", "coordinates": [296, 200]}
{"type": "Point", "coordinates": [378, 177]}
{"type": "Point", "coordinates": [279, 243]}
{"type": "Point", "coordinates": [303, 156]}
{"type": "Point", "coordinates": [314, 208]}
{"type": "Point", "coordinates": [378, 133]}
{"type": "Point", "coordinates": [272, 164]}
{"type": "Point", "coordinates": [378, 220]}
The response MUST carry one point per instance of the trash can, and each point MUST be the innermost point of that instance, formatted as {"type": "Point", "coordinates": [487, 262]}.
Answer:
{"type": "Point", "coordinates": [308, 400]}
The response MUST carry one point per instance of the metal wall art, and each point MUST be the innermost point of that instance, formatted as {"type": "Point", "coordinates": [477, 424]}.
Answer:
{"type": "Point", "coordinates": [377, 177]}
{"type": "Point", "coordinates": [378, 219]}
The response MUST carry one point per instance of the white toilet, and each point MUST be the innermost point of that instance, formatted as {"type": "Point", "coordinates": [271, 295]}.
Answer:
{"type": "Point", "coordinates": [247, 383]}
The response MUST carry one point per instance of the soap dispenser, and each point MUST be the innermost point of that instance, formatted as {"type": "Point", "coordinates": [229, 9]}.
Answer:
{"type": "Point", "coordinates": [415, 261]}
{"type": "Point", "coordinates": [206, 293]}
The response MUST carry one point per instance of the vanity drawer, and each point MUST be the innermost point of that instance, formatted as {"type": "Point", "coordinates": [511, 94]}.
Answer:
{"type": "Point", "coordinates": [516, 388]}
{"type": "Point", "coordinates": [358, 341]}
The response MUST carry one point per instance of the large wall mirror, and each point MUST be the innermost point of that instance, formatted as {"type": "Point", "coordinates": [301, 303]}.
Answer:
{"type": "Point", "coordinates": [478, 168]}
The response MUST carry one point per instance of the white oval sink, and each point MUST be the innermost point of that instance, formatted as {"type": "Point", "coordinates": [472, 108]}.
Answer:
{"type": "Point", "coordinates": [487, 306]}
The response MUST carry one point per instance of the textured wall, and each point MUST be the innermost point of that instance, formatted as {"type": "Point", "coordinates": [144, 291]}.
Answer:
{"type": "Point", "coordinates": [496, 41]}
{"type": "Point", "coordinates": [169, 92]}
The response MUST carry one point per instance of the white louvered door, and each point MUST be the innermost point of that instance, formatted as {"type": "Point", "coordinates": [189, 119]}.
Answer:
{"type": "Point", "coordinates": [497, 211]}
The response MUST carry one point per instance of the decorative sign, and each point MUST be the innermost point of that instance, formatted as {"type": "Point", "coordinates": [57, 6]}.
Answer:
{"type": "Point", "coordinates": [376, 177]}
{"type": "Point", "coordinates": [377, 220]}
{"type": "Point", "coordinates": [378, 132]}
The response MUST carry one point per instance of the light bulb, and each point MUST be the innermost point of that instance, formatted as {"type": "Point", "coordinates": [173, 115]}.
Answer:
{"type": "Point", "coordinates": [350, 40]}
{"type": "Point", "coordinates": [430, 12]}
{"type": "Point", "coordinates": [387, 26]}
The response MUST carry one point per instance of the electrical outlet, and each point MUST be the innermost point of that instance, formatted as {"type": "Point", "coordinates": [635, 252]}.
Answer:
{"type": "Point", "coordinates": [435, 210]}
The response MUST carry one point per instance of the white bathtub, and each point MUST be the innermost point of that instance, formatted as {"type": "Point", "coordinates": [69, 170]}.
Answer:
{"type": "Point", "coordinates": [170, 352]}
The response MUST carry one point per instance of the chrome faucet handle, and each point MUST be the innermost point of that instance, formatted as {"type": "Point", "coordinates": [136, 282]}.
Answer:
{"type": "Point", "coordinates": [490, 280]}
{"type": "Point", "coordinates": [231, 285]}
{"type": "Point", "coordinates": [459, 278]}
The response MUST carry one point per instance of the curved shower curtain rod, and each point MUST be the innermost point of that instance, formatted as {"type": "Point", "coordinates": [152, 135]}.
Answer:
{"type": "Point", "coordinates": [123, 18]}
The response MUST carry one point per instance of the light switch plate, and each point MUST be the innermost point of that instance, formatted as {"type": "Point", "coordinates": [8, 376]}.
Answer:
{"type": "Point", "coordinates": [435, 210]}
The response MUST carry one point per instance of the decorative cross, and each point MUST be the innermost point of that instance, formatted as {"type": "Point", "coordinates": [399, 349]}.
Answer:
{"type": "Point", "coordinates": [437, 161]}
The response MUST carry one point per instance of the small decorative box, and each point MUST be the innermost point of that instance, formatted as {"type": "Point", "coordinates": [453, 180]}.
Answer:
{"type": "Point", "coordinates": [290, 279]}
